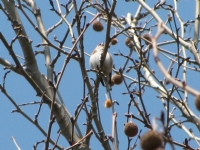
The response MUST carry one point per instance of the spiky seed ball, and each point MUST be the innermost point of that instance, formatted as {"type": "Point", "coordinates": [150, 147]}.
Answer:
{"type": "Point", "coordinates": [169, 18]}
{"type": "Point", "coordinates": [128, 42]}
{"type": "Point", "coordinates": [108, 103]}
{"type": "Point", "coordinates": [197, 102]}
{"type": "Point", "coordinates": [97, 26]}
{"type": "Point", "coordinates": [117, 78]}
{"type": "Point", "coordinates": [130, 129]}
{"type": "Point", "coordinates": [147, 36]}
{"type": "Point", "coordinates": [112, 82]}
{"type": "Point", "coordinates": [113, 41]}
{"type": "Point", "coordinates": [151, 140]}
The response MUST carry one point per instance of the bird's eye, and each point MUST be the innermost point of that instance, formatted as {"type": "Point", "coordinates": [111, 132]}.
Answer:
{"type": "Point", "coordinates": [101, 44]}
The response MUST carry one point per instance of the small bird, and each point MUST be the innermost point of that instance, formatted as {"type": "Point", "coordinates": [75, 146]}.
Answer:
{"type": "Point", "coordinates": [95, 61]}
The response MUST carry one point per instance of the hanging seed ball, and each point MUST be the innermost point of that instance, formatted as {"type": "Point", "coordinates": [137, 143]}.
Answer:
{"type": "Point", "coordinates": [151, 140]}
{"type": "Point", "coordinates": [147, 36]}
{"type": "Point", "coordinates": [128, 42]}
{"type": "Point", "coordinates": [97, 26]}
{"type": "Point", "coordinates": [108, 103]}
{"type": "Point", "coordinates": [113, 41]}
{"type": "Point", "coordinates": [197, 102]}
{"type": "Point", "coordinates": [117, 78]}
{"type": "Point", "coordinates": [130, 129]}
{"type": "Point", "coordinates": [112, 82]}
{"type": "Point", "coordinates": [169, 18]}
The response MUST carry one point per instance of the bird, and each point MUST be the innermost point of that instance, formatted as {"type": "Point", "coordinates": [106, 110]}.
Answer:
{"type": "Point", "coordinates": [95, 61]}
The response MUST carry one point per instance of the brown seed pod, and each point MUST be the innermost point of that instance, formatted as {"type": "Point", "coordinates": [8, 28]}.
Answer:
{"type": "Point", "coordinates": [147, 37]}
{"type": "Point", "coordinates": [128, 42]}
{"type": "Point", "coordinates": [151, 140]}
{"type": "Point", "coordinates": [117, 78]}
{"type": "Point", "coordinates": [169, 18]}
{"type": "Point", "coordinates": [197, 102]}
{"type": "Point", "coordinates": [108, 103]}
{"type": "Point", "coordinates": [112, 82]}
{"type": "Point", "coordinates": [130, 129]}
{"type": "Point", "coordinates": [97, 26]}
{"type": "Point", "coordinates": [113, 41]}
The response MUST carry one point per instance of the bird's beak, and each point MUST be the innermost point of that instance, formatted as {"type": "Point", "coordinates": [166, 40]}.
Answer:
{"type": "Point", "coordinates": [102, 44]}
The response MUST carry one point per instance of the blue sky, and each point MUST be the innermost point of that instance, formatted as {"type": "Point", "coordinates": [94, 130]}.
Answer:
{"type": "Point", "coordinates": [71, 87]}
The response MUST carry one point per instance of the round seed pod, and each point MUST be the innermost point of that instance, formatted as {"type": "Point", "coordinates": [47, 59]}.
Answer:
{"type": "Point", "coordinates": [97, 26]}
{"type": "Point", "coordinates": [169, 18]}
{"type": "Point", "coordinates": [112, 82]}
{"type": "Point", "coordinates": [128, 42]}
{"type": "Point", "coordinates": [114, 41]}
{"type": "Point", "coordinates": [108, 103]}
{"type": "Point", "coordinates": [130, 129]}
{"type": "Point", "coordinates": [151, 140]}
{"type": "Point", "coordinates": [197, 102]}
{"type": "Point", "coordinates": [117, 78]}
{"type": "Point", "coordinates": [147, 36]}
